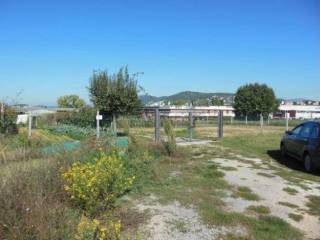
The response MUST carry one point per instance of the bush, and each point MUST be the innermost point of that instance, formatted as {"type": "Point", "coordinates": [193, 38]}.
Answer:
{"type": "Point", "coordinates": [85, 117]}
{"type": "Point", "coordinates": [170, 145]}
{"type": "Point", "coordinates": [93, 230]}
{"type": "Point", "coordinates": [97, 184]}
{"type": "Point", "coordinates": [8, 121]}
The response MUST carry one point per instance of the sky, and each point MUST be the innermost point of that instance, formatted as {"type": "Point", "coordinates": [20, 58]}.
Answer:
{"type": "Point", "coordinates": [51, 48]}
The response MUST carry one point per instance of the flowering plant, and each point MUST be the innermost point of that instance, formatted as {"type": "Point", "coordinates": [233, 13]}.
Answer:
{"type": "Point", "coordinates": [97, 183]}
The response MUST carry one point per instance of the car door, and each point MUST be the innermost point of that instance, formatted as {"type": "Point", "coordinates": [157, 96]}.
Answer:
{"type": "Point", "coordinates": [291, 138]}
{"type": "Point", "coordinates": [314, 140]}
{"type": "Point", "coordinates": [302, 140]}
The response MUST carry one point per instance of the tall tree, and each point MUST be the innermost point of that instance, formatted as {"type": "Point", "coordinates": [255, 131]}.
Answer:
{"type": "Point", "coordinates": [115, 94]}
{"type": "Point", "coordinates": [255, 99]}
{"type": "Point", "coordinates": [70, 101]}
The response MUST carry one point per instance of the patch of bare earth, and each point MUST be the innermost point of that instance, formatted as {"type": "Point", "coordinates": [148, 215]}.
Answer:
{"type": "Point", "coordinates": [174, 222]}
{"type": "Point", "coordinates": [270, 190]}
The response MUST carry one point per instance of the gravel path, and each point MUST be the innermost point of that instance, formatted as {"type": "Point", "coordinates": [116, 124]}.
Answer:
{"type": "Point", "coordinates": [270, 189]}
{"type": "Point", "coordinates": [176, 222]}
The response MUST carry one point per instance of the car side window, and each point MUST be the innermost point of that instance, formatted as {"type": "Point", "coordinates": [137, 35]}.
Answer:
{"type": "Point", "coordinates": [297, 130]}
{"type": "Point", "coordinates": [306, 130]}
{"type": "Point", "coordinates": [315, 133]}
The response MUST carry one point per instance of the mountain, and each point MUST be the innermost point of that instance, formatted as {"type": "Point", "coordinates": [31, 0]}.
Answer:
{"type": "Point", "coordinates": [187, 96]}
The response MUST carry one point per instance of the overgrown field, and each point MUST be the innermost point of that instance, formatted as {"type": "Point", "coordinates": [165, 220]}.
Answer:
{"type": "Point", "coordinates": [91, 192]}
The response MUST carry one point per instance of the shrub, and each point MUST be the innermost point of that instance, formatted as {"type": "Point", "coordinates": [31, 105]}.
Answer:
{"type": "Point", "coordinates": [8, 121]}
{"type": "Point", "coordinates": [94, 230]}
{"type": "Point", "coordinates": [97, 184]}
{"type": "Point", "coordinates": [85, 117]}
{"type": "Point", "coordinates": [170, 145]}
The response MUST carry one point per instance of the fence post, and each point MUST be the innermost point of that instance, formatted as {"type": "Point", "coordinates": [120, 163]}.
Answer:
{"type": "Point", "coordinates": [231, 120]}
{"type": "Point", "coordinates": [220, 124]}
{"type": "Point", "coordinates": [157, 125]}
{"type": "Point", "coordinates": [30, 125]}
{"type": "Point", "coordinates": [261, 120]}
{"type": "Point", "coordinates": [246, 119]}
{"type": "Point", "coordinates": [190, 125]}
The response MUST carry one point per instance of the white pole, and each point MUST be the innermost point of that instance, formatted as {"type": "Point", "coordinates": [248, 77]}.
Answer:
{"type": "Point", "coordinates": [261, 120]}
{"type": "Point", "coordinates": [287, 121]}
{"type": "Point", "coordinates": [98, 124]}
{"type": "Point", "coordinates": [30, 125]}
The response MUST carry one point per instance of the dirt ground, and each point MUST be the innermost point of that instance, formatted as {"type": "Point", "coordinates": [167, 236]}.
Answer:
{"type": "Point", "coordinates": [270, 190]}
{"type": "Point", "coordinates": [175, 221]}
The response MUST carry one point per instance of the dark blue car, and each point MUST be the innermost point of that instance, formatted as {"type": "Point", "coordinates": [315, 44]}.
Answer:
{"type": "Point", "coordinates": [303, 143]}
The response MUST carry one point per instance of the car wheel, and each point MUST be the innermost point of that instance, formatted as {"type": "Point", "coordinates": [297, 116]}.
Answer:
{"type": "Point", "coordinates": [283, 150]}
{"type": "Point", "coordinates": [308, 163]}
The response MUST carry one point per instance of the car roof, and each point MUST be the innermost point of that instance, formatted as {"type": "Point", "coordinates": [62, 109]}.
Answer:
{"type": "Point", "coordinates": [312, 121]}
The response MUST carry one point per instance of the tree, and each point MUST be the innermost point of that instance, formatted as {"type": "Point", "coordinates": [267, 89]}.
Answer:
{"type": "Point", "coordinates": [70, 101]}
{"type": "Point", "coordinates": [115, 94]}
{"type": "Point", "coordinates": [255, 99]}
{"type": "Point", "coordinates": [215, 101]}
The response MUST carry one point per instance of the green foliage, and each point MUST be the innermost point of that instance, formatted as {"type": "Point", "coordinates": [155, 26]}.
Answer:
{"type": "Point", "coordinates": [73, 131]}
{"type": "Point", "coordinates": [115, 94]}
{"type": "Point", "coordinates": [8, 120]}
{"type": "Point", "coordinates": [94, 229]}
{"type": "Point", "coordinates": [96, 184]}
{"type": "Point", "coordinates": [70, 101]}
{"type": "Point", "coordinates": [216, 101]}
{"type": "Point", "coordinates": [170, 145]}
{"type": "Point", "coordinates": [85, 117]}
{"type": "Point", "coordinates": [255, 99]}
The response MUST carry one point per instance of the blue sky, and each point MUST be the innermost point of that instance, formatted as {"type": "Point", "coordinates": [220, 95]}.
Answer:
{"type": "Point", "coordinates": [50, 48]}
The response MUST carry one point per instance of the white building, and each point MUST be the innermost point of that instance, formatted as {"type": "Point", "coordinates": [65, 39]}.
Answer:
{"type": "Point", "coordinates": [183, 111]}
{"type": "Point", "coordinates": [300, 111]}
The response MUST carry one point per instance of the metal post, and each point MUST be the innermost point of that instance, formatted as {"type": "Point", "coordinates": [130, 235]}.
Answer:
{"type": "Point", "coordinates": [246, 119]}
{"type": "Point", "coordinates": [261, 121]}
{"type": "Point", "coordinates": [30, 126]}
{"type": "Point", "coordinates": [231, 120]}
{"type": "Point", "coordinates": [157, 125]}
{"type": "Point", "coordinates": [287, 120]}
{"type": "Point", "coordinates": [98, 124]}
{"type": "Point", "coordinates": [220, 124]}
{"type": "Point", "coordinates": [190, 125]}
